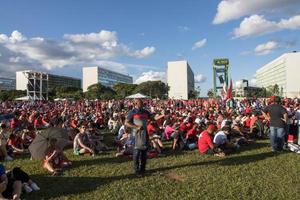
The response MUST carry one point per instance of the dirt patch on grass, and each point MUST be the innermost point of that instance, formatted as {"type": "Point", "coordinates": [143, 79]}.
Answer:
{"type": "Point", "coordinates": [174, 176]}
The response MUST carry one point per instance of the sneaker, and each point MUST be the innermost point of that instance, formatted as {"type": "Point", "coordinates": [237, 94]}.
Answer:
{"type": "Point", "coordinates": [8, 158]}
{"type": "Point", "coordinates": [221, 154]}
{"type": "Point", "coordinates": [34, 186]}
{"type": "Point", "coordinates": [27, 188]}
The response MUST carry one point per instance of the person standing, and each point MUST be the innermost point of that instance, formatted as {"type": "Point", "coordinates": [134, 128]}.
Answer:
{"type": "Point", "coordinates": [298, 120]}
{"type": "Point", "coordinates": [278, 117]}
{"type": "Point", "coordinates": [137, 120]}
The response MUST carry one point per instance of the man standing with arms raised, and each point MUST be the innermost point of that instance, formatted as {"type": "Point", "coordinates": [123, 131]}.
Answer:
{"type": "Point", "coordinates": [137, 120]}
{"type": "Point", "coordinates": [278, 117]}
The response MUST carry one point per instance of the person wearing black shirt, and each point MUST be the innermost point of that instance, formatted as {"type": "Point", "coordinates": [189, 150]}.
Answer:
{"type": "Point", "coordinates": [277, 115]}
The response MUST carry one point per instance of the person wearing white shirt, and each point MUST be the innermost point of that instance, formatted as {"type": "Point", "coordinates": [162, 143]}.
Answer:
{"type": "Point", "coordinates": [221, 141]}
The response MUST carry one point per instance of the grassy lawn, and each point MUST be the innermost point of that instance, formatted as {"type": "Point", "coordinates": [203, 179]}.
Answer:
{"type": "Point", "coordinates": [254, 173]}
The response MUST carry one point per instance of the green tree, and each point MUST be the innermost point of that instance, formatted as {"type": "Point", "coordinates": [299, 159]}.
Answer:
{"type": "Point", "coordinates": [9, 95]}
{"type": "Point", "coordinates": [276, 89]}
{"type": "Point", "coordinates": [124, 89]}
{"type": "Point", "coordinates": [193, 94]}
{"type": "Point", "coordinates": [66, 92]}
{"type": "Point", "coordinates": [210, 93]}
{"type": "Point", "coordinates": [273, 90]}
{"type": "Point", "coordinates": [154, 89]}
{"type": "Point", "coordinates": [98, 91]}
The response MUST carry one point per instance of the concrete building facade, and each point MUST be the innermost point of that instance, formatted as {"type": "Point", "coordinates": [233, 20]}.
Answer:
{"type": "Point", "coordinates": [283, 71]}
{"type": "Point", "coordinates": [93, 75]}
{"type": "Point", "coordinates": [180, 79]}
{"type": "Point", "coordinates": [38, 84]}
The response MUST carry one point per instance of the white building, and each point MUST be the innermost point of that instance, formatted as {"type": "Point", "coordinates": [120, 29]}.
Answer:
{"type": "Point", "coordinates": [180, 79]}
{"type": "Point", "coordinates": [38, 84]}
{"type": "Point", "coordinates": [93, 75]}
{"type": "Point", "coordinates": [283, 71]}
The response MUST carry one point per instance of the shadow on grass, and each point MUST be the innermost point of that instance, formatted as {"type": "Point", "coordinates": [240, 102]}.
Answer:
{"type": "Point", "coordinates": [99, 161]}
{"type": "Point", "coordinates": [78, 185]}
{"type": "Point", "coordinates": [227, 161]}
{"type": "Point", "coordinates": [55, 187]}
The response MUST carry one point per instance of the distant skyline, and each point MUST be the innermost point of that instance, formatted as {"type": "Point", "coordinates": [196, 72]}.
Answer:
{"type": "Point", "coordinates": [139, 37]}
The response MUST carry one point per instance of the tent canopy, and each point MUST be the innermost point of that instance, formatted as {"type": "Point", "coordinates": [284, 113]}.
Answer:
{"type": "Point", "coordinates": [25, 98]}
{"type": "Point", "coordinates": [137, 96]}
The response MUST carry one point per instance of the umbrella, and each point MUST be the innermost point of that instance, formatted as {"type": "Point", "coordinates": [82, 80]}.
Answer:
{"type": "Point", "coordinates": [41, 142]}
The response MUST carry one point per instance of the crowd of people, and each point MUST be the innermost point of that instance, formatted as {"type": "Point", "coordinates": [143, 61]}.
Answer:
{"type": "Point", "coordinates": [141, 129]}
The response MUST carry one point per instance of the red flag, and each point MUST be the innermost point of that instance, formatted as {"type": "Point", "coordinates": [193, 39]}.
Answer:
{"type": "Point", "coordinates": [229, 91]}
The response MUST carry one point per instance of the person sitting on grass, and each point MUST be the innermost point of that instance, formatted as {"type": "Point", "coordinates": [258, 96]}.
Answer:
{"type": "Point", "coordinates": [15, 143]}
{"type": "Point", "coordinates": [55, 160]}
{"type": "Point", "coordinates": [80, 145]}
{"type": "Point", "coordinates": [221, 141]}
{"type": "Point", "coordinates": [205, 142]}
{"type": "Point", "coordinates": [94, 138]}
{"type": "Point", "coordinates": [125, 143]}
{"type": "Point", "coordinates": [154, 137]}
{"type": "Point", "coordinates": [3, 141]}
{"type": "Point", "coordinates": [13, 181]}
{"type": "Point", "coordinates": [191, 137]}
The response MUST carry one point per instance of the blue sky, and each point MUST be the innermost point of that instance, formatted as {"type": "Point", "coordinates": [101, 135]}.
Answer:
{"type": "Point", "coordinates": [139, 37]}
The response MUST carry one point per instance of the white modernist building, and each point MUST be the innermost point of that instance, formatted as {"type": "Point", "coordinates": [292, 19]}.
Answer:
{"type": "Point", "coordinates": [283, 71]}
{"type": "Point", "coordinates": [93, 75]}
{"type": "Point", "coordinates": [37, 84]}
{"type": "Point", "coordinates": [180, 79]}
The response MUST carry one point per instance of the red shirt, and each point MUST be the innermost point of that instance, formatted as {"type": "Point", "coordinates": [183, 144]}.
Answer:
{"type": "Point", "coordinates": [247, 123]}
{"type": "Point", "coordinates": [14, 141]}
{"type": "Point", "coordinates": [191, 133]}
{"type": "Point", "coordinates": [252, 121]}
{"type": "Point", "coordinates": [183, 127]}
{"type": "Point", "coordinates": [204, 142]}
{"type": "Point", "coordinates": [151, 129]}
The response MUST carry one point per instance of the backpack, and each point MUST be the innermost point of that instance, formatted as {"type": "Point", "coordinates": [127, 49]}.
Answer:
{"type": "Point", "coordinates": [140, 140]}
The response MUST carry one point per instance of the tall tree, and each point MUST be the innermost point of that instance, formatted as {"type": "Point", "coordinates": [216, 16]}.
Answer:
{"type": "Point", "coordinates": [98, 91]}
{"type": "Point", "coordinates": [154, 89]}
{"type": "Point", "coordinates": [210, 93]}
{"type": "Point", "coordinates": [124, 89]}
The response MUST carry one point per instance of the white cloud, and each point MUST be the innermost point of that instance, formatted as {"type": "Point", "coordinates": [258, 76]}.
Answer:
{"type": "Point", "coordinates": [144, 52]}
{"type": "Point", "coordinates": [255, 25]}
{"type": "Point", "coordinates": [291, 23]}
{"type": "Point", "coordinates": [19, 52]}
{"type": "Point", "coordinates": [200, 78]}
{"type": "Point", "coordinates": [266, 48]}
{"type": "Point", "coordinates": [258, 25]}
{"type": "Point", "coordinates": [199, 43]}
{"type": "Point", "coordinates": [151, 76]}
{"type": "Point", "coordinates": [234, 9]}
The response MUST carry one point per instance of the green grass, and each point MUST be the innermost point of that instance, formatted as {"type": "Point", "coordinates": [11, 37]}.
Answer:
{"type": "Point", "coordinates": [254, 173]}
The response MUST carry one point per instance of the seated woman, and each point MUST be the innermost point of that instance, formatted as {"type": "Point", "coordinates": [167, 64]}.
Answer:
{"type": "Point", "coordinates": [13, 181]}
{"type": "Point", "coordinates": [28, 136]}
{"type": "Point", "coordinates": [125, 143]}
{"type": "Point", "coordinates": [81, 145]}
{"type": "Point", "coordinates": [15, 143]}
{"type": "Point", "coordinates": [154, 137]}
{"type": "Point", "coordinates": [55, 160]}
